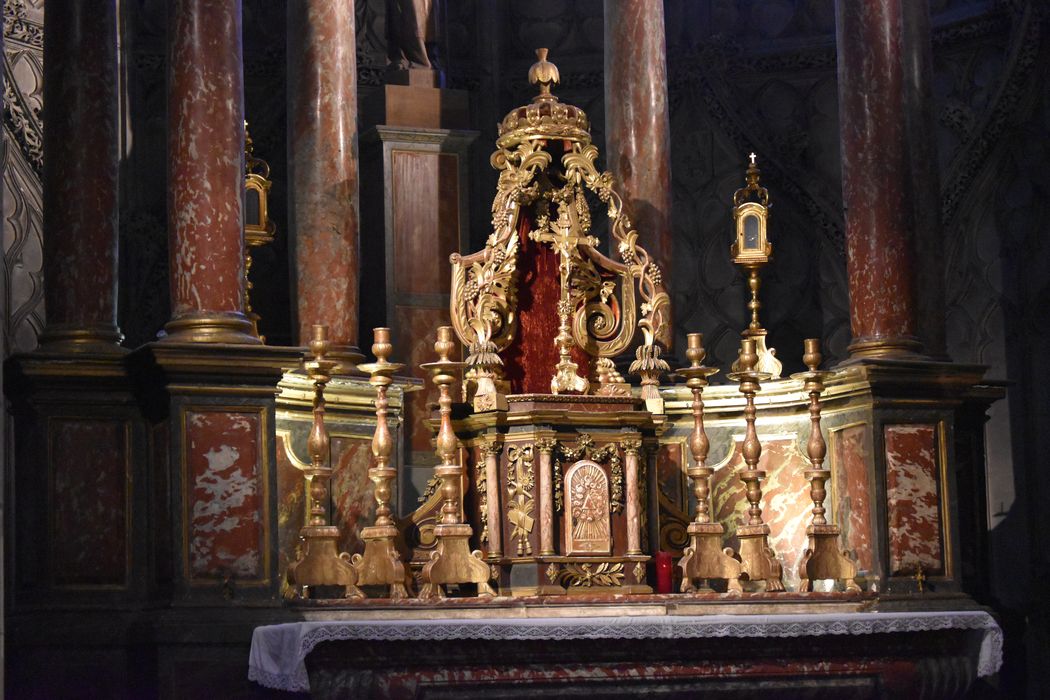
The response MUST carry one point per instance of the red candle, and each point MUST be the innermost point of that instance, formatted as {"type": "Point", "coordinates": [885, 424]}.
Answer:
{"type": "Point", "coordinates": [664, 572]}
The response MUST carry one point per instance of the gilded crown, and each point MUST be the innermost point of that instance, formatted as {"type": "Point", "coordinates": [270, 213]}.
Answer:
{"type": "Point", "coordinates": [545, 118]}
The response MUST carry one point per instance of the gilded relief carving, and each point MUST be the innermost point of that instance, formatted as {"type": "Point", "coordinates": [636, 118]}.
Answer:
{"type": "Point", "coordinates": [606, 574]}
{"type": "Point", "coordinates": [520, 483]}
{"type": "Point", "coordinates": [587, 520]}
{"type": "Point", "coordinates": [585, 450]}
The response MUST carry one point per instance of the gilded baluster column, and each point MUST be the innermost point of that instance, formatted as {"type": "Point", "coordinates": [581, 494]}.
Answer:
{"type": "Point", "coordinates": [545, 446]}
{"type": "Point", "coordinates": [381, 564]}
{"type": "Point", "coordinates": [80, 178]}
{"type": "Point", "coordinates": [206, 173]}
{"type": "Point", "coordinates": [323, 164]}
{"type": "Point", "coordinates": [757, 557]}
{"type": "Point", "coordinates": [493, 530]}
{"type": "Point", "coordinates": [632, 447]}
{"type": "Point", "coordinates": [452, 561]}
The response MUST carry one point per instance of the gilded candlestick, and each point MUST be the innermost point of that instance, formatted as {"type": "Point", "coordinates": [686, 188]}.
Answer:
{"type": "Point", "coordinates": [452, 561]}
{"type": "Point", "coordinates": [381, 564]}
{"type": "Point", "coordinates": [822, 559]}
{"type": "Point", "coordinates": [704, 558]}
{"type": "Point", "coordinates": [321, 564]}
{"type": "Point", "coordinates": [758, 560]}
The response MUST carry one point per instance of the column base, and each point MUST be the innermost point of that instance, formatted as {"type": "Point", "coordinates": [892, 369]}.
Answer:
{"type": "Point", "coordinates": [102, 338]}
{"type": "Point", "coordinates": [227, 327]}
{"type": "Point", "coordinates": [902, 346]}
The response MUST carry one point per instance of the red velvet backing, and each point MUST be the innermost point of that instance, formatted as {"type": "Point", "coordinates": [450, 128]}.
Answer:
{"type": "Point", "coordinates": [530, 359]}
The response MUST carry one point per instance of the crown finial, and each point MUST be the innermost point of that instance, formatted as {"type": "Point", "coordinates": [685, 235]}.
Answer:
{"type": "Point", "coordinates": [544, 73]}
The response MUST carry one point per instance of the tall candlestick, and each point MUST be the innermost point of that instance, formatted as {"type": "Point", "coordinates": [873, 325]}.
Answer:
{"type": "Point", "coordinates": [321, 563]}
{"type": "Point", "coordinates": [823, 558]}
{"type": "Point", "coordinates": [452, 561]}
{"type": "Point", "coordinates": [381, 564]}
{"type": "Point", "coordinates": [757, 557]}
{"type": "Point", "coordinates": [704, 558]}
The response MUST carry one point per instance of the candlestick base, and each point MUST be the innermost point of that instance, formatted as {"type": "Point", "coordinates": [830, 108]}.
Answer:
{"type": "Point", "coordinates": [705, 559]}
{"type": "Point", "coordinates": [381, 563]}
{"type": "Point", "coordinates": [824, 560]}
{"type": "Point", "coordinates": [452, 562]}
{"type": "Point", "coordinates": [757, 559]}
{"type": "Point", "coordinates": [322, 565]}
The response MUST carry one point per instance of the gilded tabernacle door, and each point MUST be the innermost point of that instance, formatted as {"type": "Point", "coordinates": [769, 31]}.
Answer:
{"type": "Point", "coordinates": [587, 529]}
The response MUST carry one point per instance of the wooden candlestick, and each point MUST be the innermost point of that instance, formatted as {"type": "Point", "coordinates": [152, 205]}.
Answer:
{"type": "Point", "coordinates": [321, 564]}
{"type": "Point", "coordinates": [452, 561]}
{"type": "Point", "coordinates": [704, 558]}
{"type": "Point", "coordinates": [381, 564]}
{"type": "Point", "coordinates": [822, 559]}
{"type": "Point", "coordinates": [757, 557]}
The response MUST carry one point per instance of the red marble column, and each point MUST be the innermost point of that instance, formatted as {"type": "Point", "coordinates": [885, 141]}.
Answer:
{"type": "Point", "coordinates": [637, 126]}
{"type": "Point", "coordinates": [81, 133]}
{"type": "Point", "coordinates": [877, 191]}
{"type": "Point", "coordinates": [206, 172]}
{"type": "Point", "coordinates": [322, 157]}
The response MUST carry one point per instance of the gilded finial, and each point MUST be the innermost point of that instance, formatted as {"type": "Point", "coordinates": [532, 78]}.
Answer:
{"type": "Point", "coordinates": [544, 73]}
{"type": "Point", "coordinates": [752, 187]}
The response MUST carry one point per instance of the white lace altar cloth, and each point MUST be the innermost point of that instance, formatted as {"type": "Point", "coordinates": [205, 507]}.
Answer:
{"type": "Point", "coordinates": [279, 652]}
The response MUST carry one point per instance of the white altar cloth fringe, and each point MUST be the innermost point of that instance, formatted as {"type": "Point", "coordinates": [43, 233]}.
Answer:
{"type": "Point", "coordinates": [279, 652]}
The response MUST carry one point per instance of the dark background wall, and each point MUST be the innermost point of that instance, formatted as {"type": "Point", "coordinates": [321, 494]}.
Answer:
{"type": "Point", "coordinates": [743, 75]}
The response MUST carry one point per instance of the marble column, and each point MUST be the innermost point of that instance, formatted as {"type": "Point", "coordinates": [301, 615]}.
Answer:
{"type": "Point", "coordinates": [206, 173]}
{"type": "Point", "coordinates": [637, 126]}
{"type": "Point", "coordinates": [878, 132]}
{"type": "Point", "coordinates": [925, 180]}
{"type": "Point", "coordinates": [80, 180]}
{"type": "Point", "coordinates": [322, 158]}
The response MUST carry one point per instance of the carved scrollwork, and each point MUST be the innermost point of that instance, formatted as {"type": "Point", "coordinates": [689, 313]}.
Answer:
{"type": "Point", "coordinates": [637, 268]}
{"type": "Point", "coordinates": [484, 284]}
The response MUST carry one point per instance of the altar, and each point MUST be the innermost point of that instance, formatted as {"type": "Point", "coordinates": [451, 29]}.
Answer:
{"type": "Point", "coordinates": [580, 534]}
{"type": "Point", "coordinates": [669, 647]}
{"type": "Point", "coordinates": [438, 384]}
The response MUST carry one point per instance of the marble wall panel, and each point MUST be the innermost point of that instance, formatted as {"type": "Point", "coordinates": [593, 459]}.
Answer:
{"type": "Point", "coordinates": [353, 504]}
{"type": "Point", "coordinates": [225, 494]}
{"type": "Point", "coordinates": [786, 506]}
{"type": "Point", "coordinates": [414, 345]}
{"type": "Point", "coordinates": [291, 504]}
{"type": "Point", "coordinates": [89, 462]}
{"type": "Point", "coordinates": [851, 454]}
{"type": "Point", "coordinates": [674, 494]}
{"type": "Point", "coordinates": [913, 499]}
